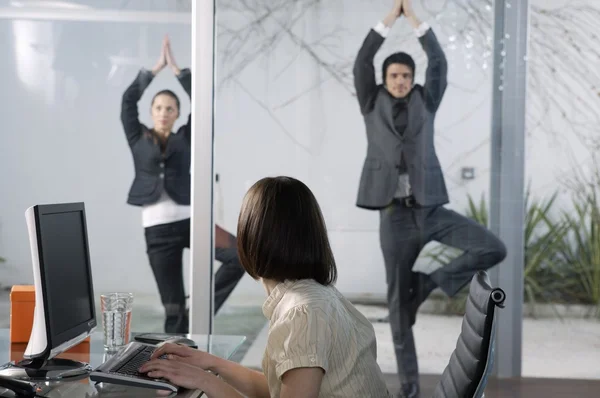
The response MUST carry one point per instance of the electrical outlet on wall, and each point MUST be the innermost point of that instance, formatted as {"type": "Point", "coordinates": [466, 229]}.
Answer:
{"type": "Point", "coordinates": [467, 173]}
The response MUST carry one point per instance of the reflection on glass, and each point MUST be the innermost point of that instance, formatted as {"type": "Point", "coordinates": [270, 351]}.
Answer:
{"type": "Point", "coordinates": [161, 185]}
{"type": "Point", "coordinates": [287, 71]}
{"type": "Point", "coordinates": [65, 68]}
{"type": "Point", "coordinates": [30, 60]}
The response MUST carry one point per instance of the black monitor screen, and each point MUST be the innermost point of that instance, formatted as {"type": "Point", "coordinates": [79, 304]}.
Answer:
{"type": "Point", "coordinates": [65, 264]}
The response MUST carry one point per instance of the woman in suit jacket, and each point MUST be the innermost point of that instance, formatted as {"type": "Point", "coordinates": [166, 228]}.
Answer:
{"type": "Point", "coordinates": [161, 186]}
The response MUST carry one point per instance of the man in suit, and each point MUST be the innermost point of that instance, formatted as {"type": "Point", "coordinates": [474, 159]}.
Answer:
{"type": "Point", "coordinates": [402, 179]}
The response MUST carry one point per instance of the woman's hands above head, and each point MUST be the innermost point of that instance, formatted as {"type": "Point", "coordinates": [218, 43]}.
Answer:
{"type": "Point", "coordinates": [170, 58]}
{"type": "Point", "coordinates": [162, 59]}
{"type": "Point", "coordinates": [165, 58]}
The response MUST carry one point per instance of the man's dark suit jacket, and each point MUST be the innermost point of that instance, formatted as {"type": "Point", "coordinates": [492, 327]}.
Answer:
{"type": "Point", "coordinates": [386, 146]}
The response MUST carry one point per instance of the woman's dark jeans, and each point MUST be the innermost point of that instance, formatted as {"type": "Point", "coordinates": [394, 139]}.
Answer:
{"type": "Point", "coordinates": [164, 245]}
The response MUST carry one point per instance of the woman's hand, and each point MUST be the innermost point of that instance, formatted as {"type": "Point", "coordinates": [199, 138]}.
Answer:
{"type": "Point", "coordinates": [170, 58]}
{"type": "Point", "coordinates": [188, 376]}
{"type": "Point", "coordinates": [162, 59]}
{"type": "Point", "coordinates": [187, 355]}
{"type": "Point", "coordinates": [176, 372]}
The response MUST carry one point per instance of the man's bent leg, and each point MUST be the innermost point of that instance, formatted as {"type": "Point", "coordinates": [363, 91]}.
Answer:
{"type": "Point", "coordinates": [481, 248]}
{"type": "Point", "coordinates": [228, 275]}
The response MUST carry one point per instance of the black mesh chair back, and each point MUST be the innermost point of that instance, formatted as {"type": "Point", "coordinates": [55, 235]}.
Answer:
{"type": "Point", "coordinates": [472, 360]}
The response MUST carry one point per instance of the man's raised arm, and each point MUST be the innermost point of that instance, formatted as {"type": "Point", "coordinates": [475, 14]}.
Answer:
{"type": "Point", "coordinates": [364, 71]}
{"type": "Point", "coordinates": [436, 75]}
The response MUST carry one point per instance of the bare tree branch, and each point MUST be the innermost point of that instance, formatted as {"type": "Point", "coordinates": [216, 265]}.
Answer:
{"type": "Point", "coordinates": [563, 80]}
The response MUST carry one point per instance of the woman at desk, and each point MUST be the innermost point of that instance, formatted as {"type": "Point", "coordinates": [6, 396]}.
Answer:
{"type": "Point", "coordinates": [161, 187]}
{"type": "Point", "coordinates": [319, 345]}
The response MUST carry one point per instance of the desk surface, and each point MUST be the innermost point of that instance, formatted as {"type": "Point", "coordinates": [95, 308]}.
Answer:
{"type": "Point", "coordinates": [95, 354]}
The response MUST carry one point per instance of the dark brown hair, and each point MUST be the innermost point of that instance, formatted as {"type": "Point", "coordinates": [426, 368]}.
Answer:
{"type": "Point", "coordinates": [281, 233]}
{"type": "Point", "coordinates": [397, 58]}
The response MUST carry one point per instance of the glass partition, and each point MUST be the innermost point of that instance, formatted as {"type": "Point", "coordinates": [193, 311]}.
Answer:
{"type": "Point", "coordinates": [286, 104]}
{"type": "Point", "coordinates": [65, 68]}
{"type": "Point", "coordinates": [562, 267]}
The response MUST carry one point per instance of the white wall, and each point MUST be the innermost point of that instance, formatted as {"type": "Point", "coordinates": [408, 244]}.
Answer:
{"type": "Point", "coordinates": [291, 110]}
{"type": "Point", "coordinates": [284, 105]}
{"type": "Point", "coordinates": [62, 138]}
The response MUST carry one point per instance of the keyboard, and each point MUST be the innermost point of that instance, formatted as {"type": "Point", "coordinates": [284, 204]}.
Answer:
{"type": "Point", "coordinates": [123, 367]}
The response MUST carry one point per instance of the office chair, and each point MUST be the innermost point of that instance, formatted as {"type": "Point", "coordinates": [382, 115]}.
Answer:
{"type": "Point", "coordinates": [467, 372]}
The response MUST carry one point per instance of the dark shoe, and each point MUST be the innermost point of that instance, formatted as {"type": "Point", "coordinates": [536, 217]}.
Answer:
{"type": "Point", "coordinates": [385, 319]}
{"type": "Point", "coordinates": [409, 390]}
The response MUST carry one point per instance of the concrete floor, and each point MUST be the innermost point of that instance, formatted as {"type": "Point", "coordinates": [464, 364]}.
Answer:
{"type": "Point", "coordinates": [551, 348]}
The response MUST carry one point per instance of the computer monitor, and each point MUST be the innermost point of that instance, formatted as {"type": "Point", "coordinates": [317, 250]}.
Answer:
{"type": "Point", "coordinates": [64, 312]}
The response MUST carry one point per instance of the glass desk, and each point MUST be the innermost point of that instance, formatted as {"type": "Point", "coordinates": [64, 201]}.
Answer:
{"type": "Point", "coordinates": [93, 352]}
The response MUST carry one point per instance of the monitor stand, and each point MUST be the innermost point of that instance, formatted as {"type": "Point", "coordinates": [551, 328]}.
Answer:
{"type": "Point", "coordinates": [50, 370]}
